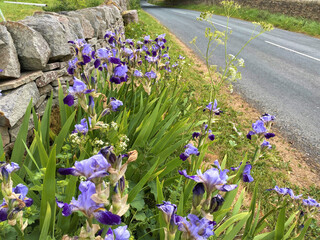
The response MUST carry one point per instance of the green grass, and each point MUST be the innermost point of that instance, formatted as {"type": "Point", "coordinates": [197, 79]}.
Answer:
{"type": "Point", "coordinates": [295, 24]}
{"type": "Point", "coordinates": [270, 170]}
{"type": "Point", "coordinates": [15, 12]}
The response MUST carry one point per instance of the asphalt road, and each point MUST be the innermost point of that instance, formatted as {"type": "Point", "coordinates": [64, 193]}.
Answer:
{"type": "Point", "coordinates": [281, 77]}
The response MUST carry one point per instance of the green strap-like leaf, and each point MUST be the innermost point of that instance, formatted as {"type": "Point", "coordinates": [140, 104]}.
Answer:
{"type": "Point", "coordinates": [46, 223]}
{"type": "Point", "coordinates": [279, 231]}
{"type": "Point", "coordinates": [137, 188]}
{"type": "Point", "coordinates": [230, 221]}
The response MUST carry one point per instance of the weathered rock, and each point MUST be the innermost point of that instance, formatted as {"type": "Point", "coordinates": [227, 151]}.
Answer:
{"type": "Point", "coordinates": [96, 20]}
{"type": "Point", "coordinates": [63, 65]}
{"type": "Point", "coordinates": [51, 66]}
{"type": "Point", "coordinates": [9, 62]}
{"type": "Point", "coordinates": [116, 19]}
{"type": "Point", "coordinates": [45, 90]}
{"type": "Point", "coordinates": [33, 50]}
{"type": "Point", "coordinates": [16, 128]}
{"type": "Point", "coordinates": [49, 77]}
{"type": "Point", "coordinates": [130, 16]}
{"type": "Point", "coordinates": [4, 133]}
{"type": "Point", "coordinates": [41, 100]}
{"type": "Point", "coordinates": [26, 77]}
{"type": "Point", "coordinates": [88, 31]}
{"type": "Point", "coordinates": [15, 102]}
{"type": "Point", "coordinates": [53, 32]}
{"type": "Point", "coordinates": [42, 107]}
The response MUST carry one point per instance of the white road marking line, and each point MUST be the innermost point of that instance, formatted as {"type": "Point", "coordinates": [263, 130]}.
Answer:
{"type": "Point", "coordinates": [178, 11]}
{"type": "Point", "coordinates": [221, 25]}
{"type": "Point", "coordinates": [291, 50]}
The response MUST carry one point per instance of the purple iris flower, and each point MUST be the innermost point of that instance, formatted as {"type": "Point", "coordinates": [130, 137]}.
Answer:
{"type": "Point", "coordinates": [109, 34]}
{"type": "Point", "coordinates": [120, 233]}
{"type": "Point", "coordinates": [169, 213]}
{"type": "Point", "coordinates": [82, 127]}
{"type": "Point", "coordinates": [114, 60]}
{"type": "Point", "coordinates": [72, 66]}
{"type": "Point", "coordinates": [151, 75]}
{"type": "Point", "coordinates": [246, 177]}
{"type": "Point", "coordinates": [119, 74]}
{"type": "Point", "coordinates": [196, 228]}
{"type": "Point", "coordinates": [130, 42]}
{"type": "Point", "coordinates": [103, 53]}
{"type": "Point", "coordinates": [190, 150]}
{"type": "Point", "coordinates": [181, 57]}
{"type": "Point", "coordinates": [115, 104]}
{"type": "Point", "coordinates": [127, 51]}
{"type": "Point", "coordinates": [285, 191]}
{"type": "Point", "coordinates": [17, 204]}
{"type": "Point", "coordinates": [88, 207]}
{"type": "Point", "coordinates": [266, 144]}
{"type": "Point", "coordinates": [213, 108]}
{"type": "Point", "coordinates": [78, 87]}
{"type": "Point", "coordinates": [152, 59]}
{"type": "Point", "coordinates": [211, 136]}
{"type": "Point", "coordinates": [147, 39]}
{"type": "Point", "coordinates": [259, 128]}
{"type": "Point", "coordinates": [8, 167]}
{"type": "Point", "coordinates": [95, 167]}
{"type": "Point", "coordinates": [267, 117]}
{"type": "Point", "coordinates": [310, 202]}
{"type": "Point", "coordinates": [212, 179]}
{"type": "Point", "coordinates": [137, 73]}
{"type": "Point", "coordinates": [195, 135]}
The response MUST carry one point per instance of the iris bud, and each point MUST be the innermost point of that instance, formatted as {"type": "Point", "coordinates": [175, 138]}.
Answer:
{"type": "Point", "coordinates": [216, 203]}
{"type": "Point", "coordinates": [198, 192]}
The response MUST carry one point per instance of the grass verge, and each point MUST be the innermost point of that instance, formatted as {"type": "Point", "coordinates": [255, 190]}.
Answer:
{"type": "Point", "coordinates": [276, 167]}
{"type": "Point", "coordinates": [294, 24]}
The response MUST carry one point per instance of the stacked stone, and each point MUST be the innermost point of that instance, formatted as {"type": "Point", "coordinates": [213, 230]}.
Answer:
{"type": "Point", "coordinates": [34, 55]}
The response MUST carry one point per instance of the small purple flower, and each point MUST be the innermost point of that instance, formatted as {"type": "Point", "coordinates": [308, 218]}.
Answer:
{"type": "Point", "coordinates": [127, 51]}
{"type": "Point", "coordinates": [103, 53]}
{"type": "Point", "coordinates": [120, 233]}
{"type": "Point", "coordinates": [147, 39]}
{"type": "Point", "coordinates": [115, 104]}
{"type": "Point", "coordinates": [196, 228]}
{"type": "Point", "coordinates": [212, 179]}
{"type": "Point", "coordinates": [310, 202]}
{"type": "Point", "coordinates": [195, 135]}
{"type": "Point", "coordinates": [215, 203]}
{"type": "Point", "coordinates": [210, 135]}
{"type": "Point", "coordinates": [169, 214]}
{"type": "Point", "coordinates": [16, 204]}
{"type": "Point", "coordinates": [137, 73]}
{"type": "Point", "coordinates": [88, 207]}
{"type": "Point", "coordinates": [266, 144]}
{"type": "Point", "coordinates": [72, 66]}
{"type": "Point", "coordinates": [181, 57]}
{"type": "Point", "coordinates": [78, 87]}
{"type": "Point", "coordinates": [285, 191]}
{"type": "Point", "coordinates": [95, 167]}
{"type": "Point", "coordinates": [151, 75]}
{"type": "Point", "coordinates": [246, 177]}
{"type": "Point", "coordinates": [213, 108]}
{"type": "Point", "coordinates": [9, 167]}
{"type": "Point", "coordinates": [82, 127]}
{"type": "Point", "coordinates": [267, 117]}
{"type": "Point", "coordinates": [190, 150]}
{"type": "Point", "coordinates": [130, 42]}
{"type": "Point", "coordinates": [119, 74]}
{"type": "Point", "coordinates": [259, 128]}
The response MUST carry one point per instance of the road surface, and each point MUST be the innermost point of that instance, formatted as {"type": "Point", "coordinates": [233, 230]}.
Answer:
{"type": "Point", "coordinates": [281, 77]}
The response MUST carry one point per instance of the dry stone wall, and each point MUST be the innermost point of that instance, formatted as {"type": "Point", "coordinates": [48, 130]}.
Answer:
{"type": "Point", "coordinates": [34, 55]}
{"type": "Point", "coordinates": [300, 8]}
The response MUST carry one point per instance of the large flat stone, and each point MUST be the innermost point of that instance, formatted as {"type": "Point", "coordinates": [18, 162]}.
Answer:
{"type": "Point", "coordinates": [96, 20]}
{"type": "Point", "coordinates": [49, 77]}
{"type": "Point", "coordinates": [33, 50]}
{"type": "Point", "coordinates": [51, 66]}
{"type": "Point", "coordinates": [26, 77]}
{"type": "Point", "coordinates": [14, 103]}
{"type": "Point", "coordinates": [9, 62]}
{"type": "Point", "coordinates": [88, 31]}
{"type": "Point", "coordinates": [14, 131]}
{"type": "Point", "coordinates": [53, 32]}
{"type": "Point", "coordinates": [130, 16]}
{"type": "Point", "coordinates": [45, 90]}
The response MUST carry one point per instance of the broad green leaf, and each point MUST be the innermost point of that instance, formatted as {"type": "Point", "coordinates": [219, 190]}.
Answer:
{"type": "Point", "coordinates": [170, 166]}
{"type": "Point", "coordinates": [49, 190]}
{"type": "Point", "coordinates": [42, 151]}
{"type": "Point", "coordinates": [46, 223]}
{"type": "Point", "coordinates": [18, 149]}
{"type": "Point", "coordinates": [279, 231]}
{"type": "Point", "coordinates": [304, 230]}
{"type": "Point", "coordinates": [59, 141]}
{"type": "Point", "coordinates": [230, 221]}
{"type": "Point", "coordinates": [236, 229]}
{"type": "Point", "coordinates": [137, 188]}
